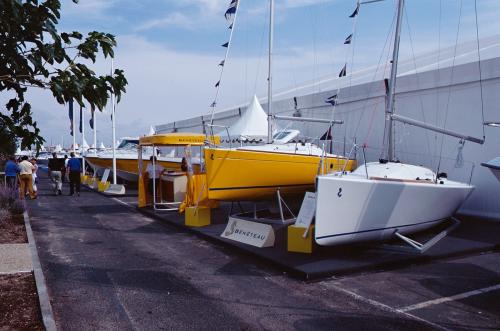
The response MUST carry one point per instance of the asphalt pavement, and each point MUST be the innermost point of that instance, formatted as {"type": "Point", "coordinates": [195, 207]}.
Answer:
{"type": "Point", "coordinates": [109, 267]}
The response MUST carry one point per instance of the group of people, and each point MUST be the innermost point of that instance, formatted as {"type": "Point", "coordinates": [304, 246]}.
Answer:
{"type": "Point", "coordinates": [22, 174]}
{"type": "Point", "coordinates": [57, 173]}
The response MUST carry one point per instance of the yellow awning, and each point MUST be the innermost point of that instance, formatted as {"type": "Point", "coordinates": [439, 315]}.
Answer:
{"type": "Point", "coordinates": [178, 139]}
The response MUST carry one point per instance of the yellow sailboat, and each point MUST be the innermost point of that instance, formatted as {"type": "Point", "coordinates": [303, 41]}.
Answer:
{"type": "Point", "coordinates": [257, 172]}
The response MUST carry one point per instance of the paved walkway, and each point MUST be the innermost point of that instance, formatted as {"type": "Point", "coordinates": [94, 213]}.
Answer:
{"type": "Point", "coordinates": [109, 267]}
{"type": "Point", "coordinates": [15, 258]}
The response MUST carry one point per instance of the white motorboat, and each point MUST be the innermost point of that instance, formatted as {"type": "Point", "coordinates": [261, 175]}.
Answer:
{"type": "Point", "coordinates": [382, 198]}
{"type": "Point", "coordinates": [494, 166]}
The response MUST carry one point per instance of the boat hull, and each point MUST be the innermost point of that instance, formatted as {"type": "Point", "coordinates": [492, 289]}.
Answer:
{"type": "Point", "coordinates": [353, 210]}
{"type": "Point", "coordinates": [239, 175]}
{"type": "Point", "coordinates": [127, 169]}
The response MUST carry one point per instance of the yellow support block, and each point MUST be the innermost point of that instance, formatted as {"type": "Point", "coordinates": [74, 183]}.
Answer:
{"type": "Point", "coordinates": [90, 181]}
{"type": "Point", "coordinates": [197, 217]}
{"type": "Point", "coordinates": [101, 187]}
{"type": "Point", "coordinates": [83, 179]}
{"type": "Point", "coordinates": [297, 243]}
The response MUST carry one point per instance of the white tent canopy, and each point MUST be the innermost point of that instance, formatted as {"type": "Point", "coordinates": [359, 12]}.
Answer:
{"type": "Point", "coordinates": [251, 125]}
{"type": "Point", "coordinates": [85, 145]}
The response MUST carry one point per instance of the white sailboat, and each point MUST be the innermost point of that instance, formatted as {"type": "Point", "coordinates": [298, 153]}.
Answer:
{"type": "Point", "coordinates": [379, 199]}
{"type": "Point", "coordinates": [494, 166]}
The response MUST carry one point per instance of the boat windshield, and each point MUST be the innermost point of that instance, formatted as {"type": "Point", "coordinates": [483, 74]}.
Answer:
{"type": "Point", "coordinates": [128, 144]}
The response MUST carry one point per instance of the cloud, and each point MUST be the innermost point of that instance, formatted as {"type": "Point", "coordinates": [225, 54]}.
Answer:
{"type": "Point", "coordinates": [176, 19]}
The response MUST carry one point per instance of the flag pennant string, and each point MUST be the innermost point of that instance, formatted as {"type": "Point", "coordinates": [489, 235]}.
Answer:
{"type": "Point", "coordinates": [231, 10]}
{"type": "Point", "coordinates": [230, 15]}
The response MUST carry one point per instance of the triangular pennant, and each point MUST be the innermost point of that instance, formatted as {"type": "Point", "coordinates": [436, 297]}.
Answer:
{"type": "Point", "coordinates": [348, 39]}
{"type": "Point", "coordinates": [343, 72]}
{"type": "Point", "coordinates": [327, 135]}
{"type": "Point", "coordinates": [230, 27]}
{"type": "Point", "coordinates": [332, 100]}
{"type": "Point", "coordinates": [222, 63]}
{"type": "Point", "coordinates": [217, 84]}
{"type": "Point", "coordinates": [355, 12]}
{"type": "Point", "coordinates": [213, 104]}
{"type": "Point", "coordinates": [226, 44]}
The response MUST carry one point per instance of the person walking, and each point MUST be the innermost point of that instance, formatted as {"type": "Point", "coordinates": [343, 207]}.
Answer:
{"type": "Point", "coordinates": [34, 175]}
{"type": "Point", "coordinates": [55, 173]}
{"type": "Point", "coordinates": [11, 171]}
{"type": "Point", "coordinates": [63, 170]}
{"type": "Point", "coordinates": [74, 169]}
{"type": "Point", "coordinates": [26, 178]}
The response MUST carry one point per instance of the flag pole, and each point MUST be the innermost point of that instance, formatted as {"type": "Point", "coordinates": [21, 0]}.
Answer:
{"type": "Point", "coordinates": [113, 121]}
{"type": "Point", "coordinates": [82, 151]}
{"type": "Point", "coordinates": [74, 131]}
{"type": "Point", "coordinates": [94, 124]}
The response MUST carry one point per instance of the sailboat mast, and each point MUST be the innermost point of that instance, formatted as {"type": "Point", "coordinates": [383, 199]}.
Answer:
{"type": "Point", "coordinates": [270, 75]}
{"type": "Point", "coordinates": [392, 83]}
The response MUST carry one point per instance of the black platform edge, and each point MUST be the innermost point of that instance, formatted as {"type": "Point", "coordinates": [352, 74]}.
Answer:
{"type": "Point", "coordinates": [298, 274]}
{"type": "Point", "coordinates": [411, 259]}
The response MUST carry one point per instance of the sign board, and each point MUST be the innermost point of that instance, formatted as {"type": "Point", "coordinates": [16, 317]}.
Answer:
{"type": "Point", "coordinates": [115, 189]}
{"type": "Point", "coordinates": [105, 176]}
{"type": "Point", "coordinates": [307, 211]}
{"type": "Point", "coordinates": [248, 232]}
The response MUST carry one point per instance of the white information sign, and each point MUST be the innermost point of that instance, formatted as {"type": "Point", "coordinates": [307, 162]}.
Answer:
{"type": "Point", "coordinates": [307, 211]}
{"type": "Point", "coordinates": [117, 189]}
{"type": "Point", "coordinates": [248, 232]}
{"type": "Point", "coordinates": [105, 176]}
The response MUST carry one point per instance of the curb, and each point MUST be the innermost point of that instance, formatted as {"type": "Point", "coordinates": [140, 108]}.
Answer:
{"type": "Point", "coordinates": [41, 286]}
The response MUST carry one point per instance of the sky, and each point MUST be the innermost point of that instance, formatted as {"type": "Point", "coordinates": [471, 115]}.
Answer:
{"type": "Point", "coordinates": [170, 51]}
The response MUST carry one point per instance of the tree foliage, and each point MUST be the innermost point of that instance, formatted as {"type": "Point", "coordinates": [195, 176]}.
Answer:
{"type": "Point", "coordinates": [33, 54]}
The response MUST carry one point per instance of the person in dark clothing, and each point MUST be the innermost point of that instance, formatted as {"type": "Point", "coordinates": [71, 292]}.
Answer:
{"type": "Point", "coordinates": [11, 171]}
{"type": "Point", "coordinates": [55, 172]}
{"type": "Point", "coordinates": [74, 169]}
{"type": "Point", "coordinates": [63, 170]}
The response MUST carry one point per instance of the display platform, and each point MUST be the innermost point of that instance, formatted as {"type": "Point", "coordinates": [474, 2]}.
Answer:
{"type": "Point", "coordinates": [472, 236]}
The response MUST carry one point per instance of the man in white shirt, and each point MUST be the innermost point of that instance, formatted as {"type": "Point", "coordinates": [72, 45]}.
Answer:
{"type": "Point", "coordinates": [26, 178]}
{"type": "Point", "coordinates": [154, 175]}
